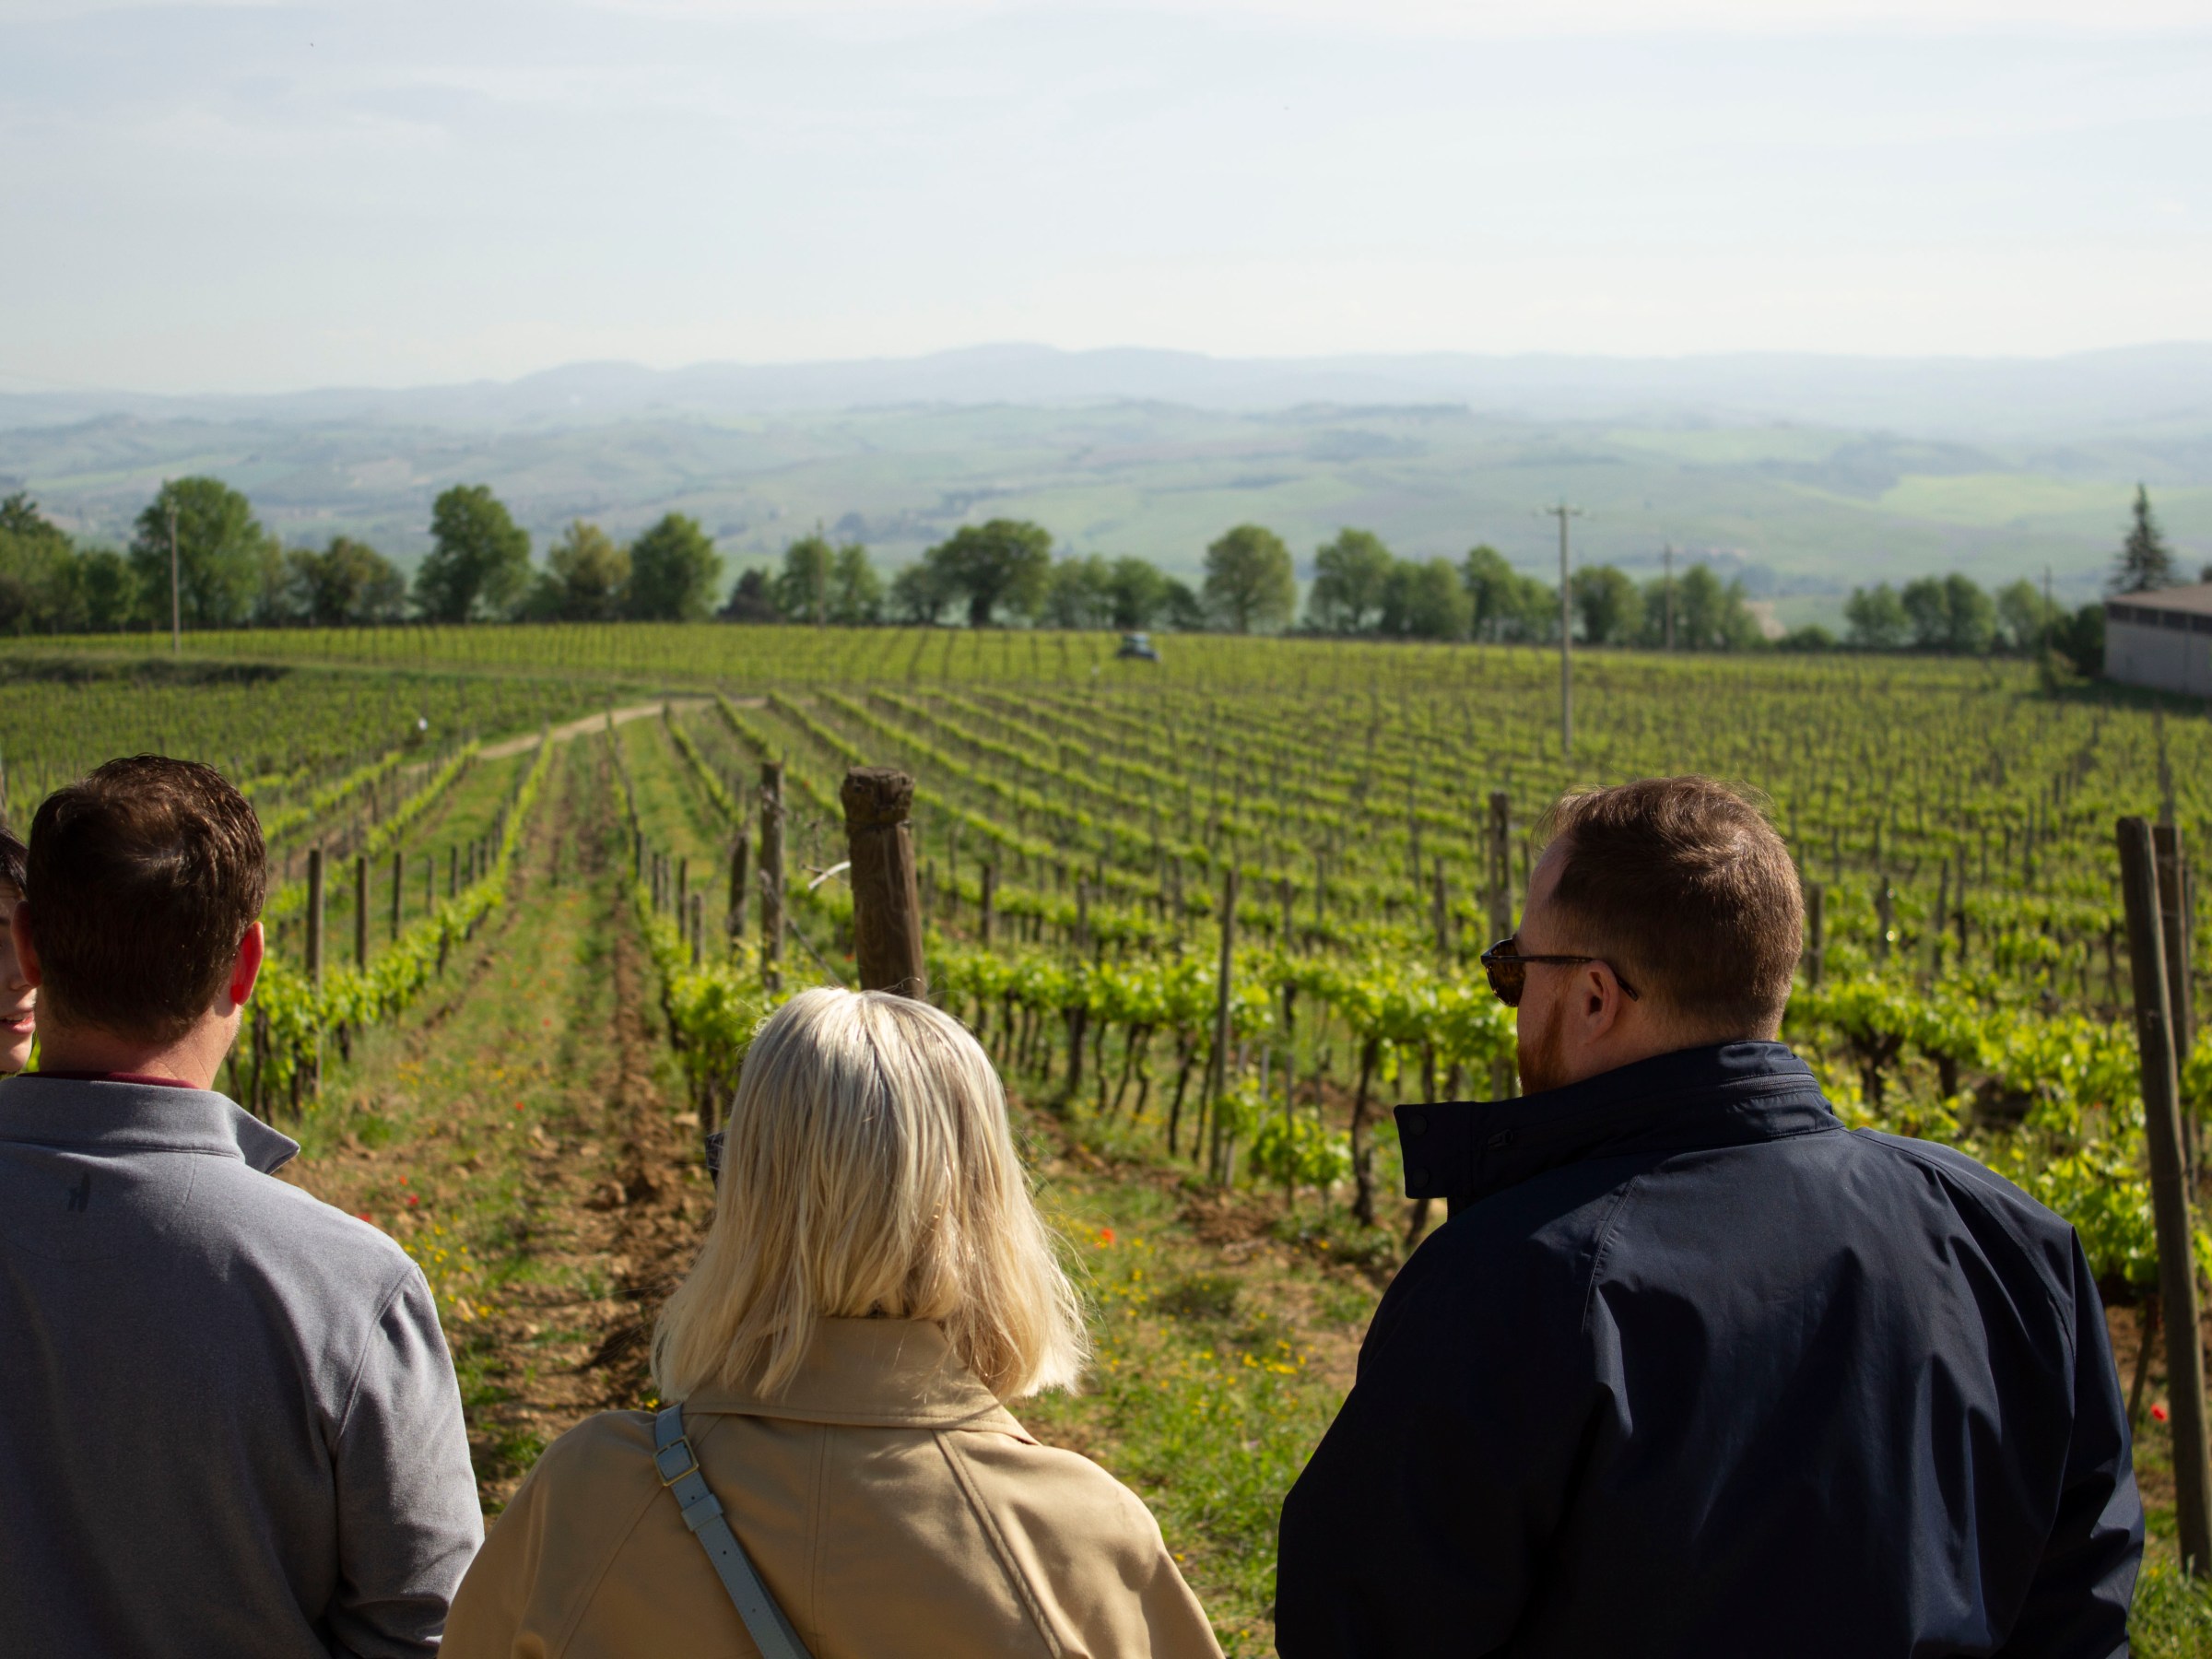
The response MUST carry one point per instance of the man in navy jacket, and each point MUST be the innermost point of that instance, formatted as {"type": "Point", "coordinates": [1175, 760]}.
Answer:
{"type": "Point", "coordinates": [1691, 1368]}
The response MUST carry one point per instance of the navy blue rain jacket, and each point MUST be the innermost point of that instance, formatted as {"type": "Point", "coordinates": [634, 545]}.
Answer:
{"type": "Point", "coordinates": [1693, 1370]}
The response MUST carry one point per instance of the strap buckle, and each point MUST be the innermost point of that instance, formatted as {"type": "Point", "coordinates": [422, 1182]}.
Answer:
{"type": "Point", "coordinates": [663, 1456]}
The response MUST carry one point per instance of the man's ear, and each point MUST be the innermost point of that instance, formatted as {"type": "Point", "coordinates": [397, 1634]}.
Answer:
{"type": "Point", "coordinates": [26, 950]}
{"type": "Point", "coordinates": [246, 969]}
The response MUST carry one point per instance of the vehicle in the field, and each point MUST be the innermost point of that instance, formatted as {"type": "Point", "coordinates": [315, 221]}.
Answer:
{"type": "Point", "coordinates": [1138, 647]}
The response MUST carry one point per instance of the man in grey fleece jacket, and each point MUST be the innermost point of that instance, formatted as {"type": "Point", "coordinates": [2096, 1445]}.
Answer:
{"type": "Point", "coordinates": [229, 1423]}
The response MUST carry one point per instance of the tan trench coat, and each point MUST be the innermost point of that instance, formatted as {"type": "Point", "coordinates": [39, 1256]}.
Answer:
{"type": "Point", "coordinates": [891, 1504]}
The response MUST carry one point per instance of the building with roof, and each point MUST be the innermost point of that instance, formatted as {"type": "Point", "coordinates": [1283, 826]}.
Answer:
{"type": "Point", "coordinates": [2161, 639]}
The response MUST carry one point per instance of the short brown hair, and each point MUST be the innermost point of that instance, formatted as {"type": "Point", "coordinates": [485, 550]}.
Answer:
{"type": "Point", "coordinates": [142, 879]}
{"type": "Point", "coordinates": [1687, 883]}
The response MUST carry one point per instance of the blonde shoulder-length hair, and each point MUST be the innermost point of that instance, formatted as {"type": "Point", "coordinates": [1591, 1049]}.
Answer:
{"type": "Point", "coordinates": [868, 1169]}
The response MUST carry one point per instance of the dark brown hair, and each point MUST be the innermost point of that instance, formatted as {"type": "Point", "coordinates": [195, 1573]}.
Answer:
{"type": "Point", "coordinates": [142, 879]}
{"type": "Point", "coordinates": [1686, 884]}
{"type": "Point", "coordinates": [12, 855]}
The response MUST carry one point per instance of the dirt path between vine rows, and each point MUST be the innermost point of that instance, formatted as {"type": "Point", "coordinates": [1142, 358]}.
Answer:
{"type": "Point", "coordinates": [596, 723]}
{"type": "Point", "coordinates": [514, 1134]}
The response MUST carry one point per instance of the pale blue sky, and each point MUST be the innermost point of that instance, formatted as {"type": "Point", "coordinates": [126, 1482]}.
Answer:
{"type": "Point", "coordinates": [268, 197]}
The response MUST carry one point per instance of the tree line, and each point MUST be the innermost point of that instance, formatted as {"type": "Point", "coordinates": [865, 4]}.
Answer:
{"type": "Point", "coordinates": [232, 573]}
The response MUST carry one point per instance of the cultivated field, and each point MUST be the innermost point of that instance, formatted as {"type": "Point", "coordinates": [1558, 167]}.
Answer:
{"type": "Point", "coordinates": [509, 1068]}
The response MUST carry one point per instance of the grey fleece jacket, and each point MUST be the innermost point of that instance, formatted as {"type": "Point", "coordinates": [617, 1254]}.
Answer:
{"type": "Point", "coordinates": [229, 1423]}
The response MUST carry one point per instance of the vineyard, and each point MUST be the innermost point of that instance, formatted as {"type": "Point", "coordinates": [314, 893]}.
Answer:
{"type": "Point", "coordinates": [531, 888]}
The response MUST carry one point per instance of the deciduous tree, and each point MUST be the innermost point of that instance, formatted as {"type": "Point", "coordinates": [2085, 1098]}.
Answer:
{"type": "Point", "coordinates": [803, 585]}
{"type": "Point", "coordinates": [855, 591]}
{"type": "Point", "coordinates": [220, 548]}
{"type": "Point", "coordinates": [1424, 600]}
{"type": "Point", "coordinates": [1607, 604]}
{"type": "Point", "coordinates": [479, 559]}
{"type": "Point", "coordinates": [347, 585]}
{"type": "Point", "coordinates": [1351, 577]}
{"type": "Point", "coordinates": [1876, 618]}
{"type": "Point", "coordinates": [1002, 565]}
{"type": "Point", "coordinates": [1248, 582]}
{"type": "Point", "coordinates": [586, 577]}
{"type": "Point", "coordinates": [673, 570]}
{"type": "Point", "coordinates": [1136, 593]}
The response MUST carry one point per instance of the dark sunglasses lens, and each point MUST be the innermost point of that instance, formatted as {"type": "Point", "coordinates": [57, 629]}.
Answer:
{"type": "Point", "coordinates": [1506, 980]}
{"type": "Point", "coordinates": [1507, 976]}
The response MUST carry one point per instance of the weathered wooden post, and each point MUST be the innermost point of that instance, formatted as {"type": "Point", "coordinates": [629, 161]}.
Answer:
{"type": "Point", "coordinates": [771, 872]}
{"type": "Point", "coordinates": [1216, 1068]}
{"type": "Point", "coordinates": [697, 919]}
{"type": "Point", "coordinates": [987, 906]}
{"type": "Point", "coordinates": [887, 901]}
{"type": "Point", "coordinates": [683, 885]}
{"type": "Point", "coordinates": [1501, 886]}
{"type": "Point", "coordinates": [1440, 915]}
{"type": "Point", "coordinates": [2176, 923]}
{"type": "Point", "coordinates": [2170, 1195]}
{"type": "Point", "coordinates": [733, 923]}
{"type": "Point", "coordinates": [360, 915]}
{"type": "Point", "coordinates": [314, 965]}
{"type": "Point", "coordinates": [314, 915]}
{"type": "Point", "coordinates": [399, 890]}
{"type": "Point", "coordinates": [1815, 933]}
{"type": "Point", "coordinates": [1505, 1077]}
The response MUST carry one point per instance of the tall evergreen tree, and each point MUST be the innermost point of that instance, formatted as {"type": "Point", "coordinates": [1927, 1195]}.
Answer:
{"type": "Point", "coordinates": [2145, 560]}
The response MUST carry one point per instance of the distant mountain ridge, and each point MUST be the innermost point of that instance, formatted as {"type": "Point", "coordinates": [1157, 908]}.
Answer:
{"type": "Point", "coordinates": [2134, 389]}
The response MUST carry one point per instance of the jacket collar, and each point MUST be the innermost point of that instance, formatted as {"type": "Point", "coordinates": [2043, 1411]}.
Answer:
{"type": "Point", "coordinates": [1693, 1099]}
{"type": "Point", "coordinates": [887, 1373]}
{"type": "Point", "coordinates": [136, 1117]}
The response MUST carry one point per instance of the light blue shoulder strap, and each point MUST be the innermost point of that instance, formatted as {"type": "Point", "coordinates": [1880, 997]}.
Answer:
{"type": "Point", "coordinates": [771, 1632]}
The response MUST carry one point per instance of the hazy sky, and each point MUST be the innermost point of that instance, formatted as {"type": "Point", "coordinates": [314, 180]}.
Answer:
{"type": "Point", "coordinates": [273, 196]}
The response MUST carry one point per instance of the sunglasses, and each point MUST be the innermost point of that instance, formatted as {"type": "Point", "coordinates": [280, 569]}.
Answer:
{"type": "Point", "coordinates": [1507, 970]}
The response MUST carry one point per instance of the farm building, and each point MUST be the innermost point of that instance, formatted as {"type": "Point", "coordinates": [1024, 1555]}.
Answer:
{"type": "Point", "coordinates": [2161, 639]}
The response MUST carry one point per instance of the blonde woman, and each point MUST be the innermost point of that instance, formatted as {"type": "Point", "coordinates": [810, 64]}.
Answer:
{"type": "Point", "coordinates": [876, 1285]}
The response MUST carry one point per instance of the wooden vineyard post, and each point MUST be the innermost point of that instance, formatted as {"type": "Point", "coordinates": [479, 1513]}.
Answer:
{"type": "Point", "coordinates": [886, 902]}
{"type": "Point", "coordinates": [2170, 1195]}
{"type": "Point", "coordinates": [314, 964]}
{"type": "Point", "coordinates": [1441, 915]}
{"type": "Point", "coordinates": [360, 915]}
{"type": "Point", "coordinates": [1501, 886]}
{"type": "Point", "coordinates": [1216, 1070]}
{"type": "Point", "coordinates": [733, 923]}
{"type": "Point", "coordinates": [1505, 1081]}
{"type": "Point", "coordinates": [697, 922]}
{"type": "Point", "coordinates": [314, 916]}
{"type": "Point", "coordinates": [1815, 933]}
{"type": "Point", "coordinates": [399, 890]}
{"type": "Point", "coordinates": [986, 908]}
{"type": "Point", "coordinates": [2175, 925]}
{"type": "Point", "coordinates": [771, 874]}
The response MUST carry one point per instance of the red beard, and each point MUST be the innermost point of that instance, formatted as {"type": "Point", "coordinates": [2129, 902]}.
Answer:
{"type": "Point", "coordinates": [1543, 1062]}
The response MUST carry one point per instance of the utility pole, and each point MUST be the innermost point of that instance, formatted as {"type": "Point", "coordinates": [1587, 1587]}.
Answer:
{"type": "Point", "coordinates": [2048, 617]}
{"type": "Point", "coordinates": [1563, 513]}
{"type": "Point", "coordinates": [1669, 557]}
{"type": "Point", "coordinates": [176, 604]}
